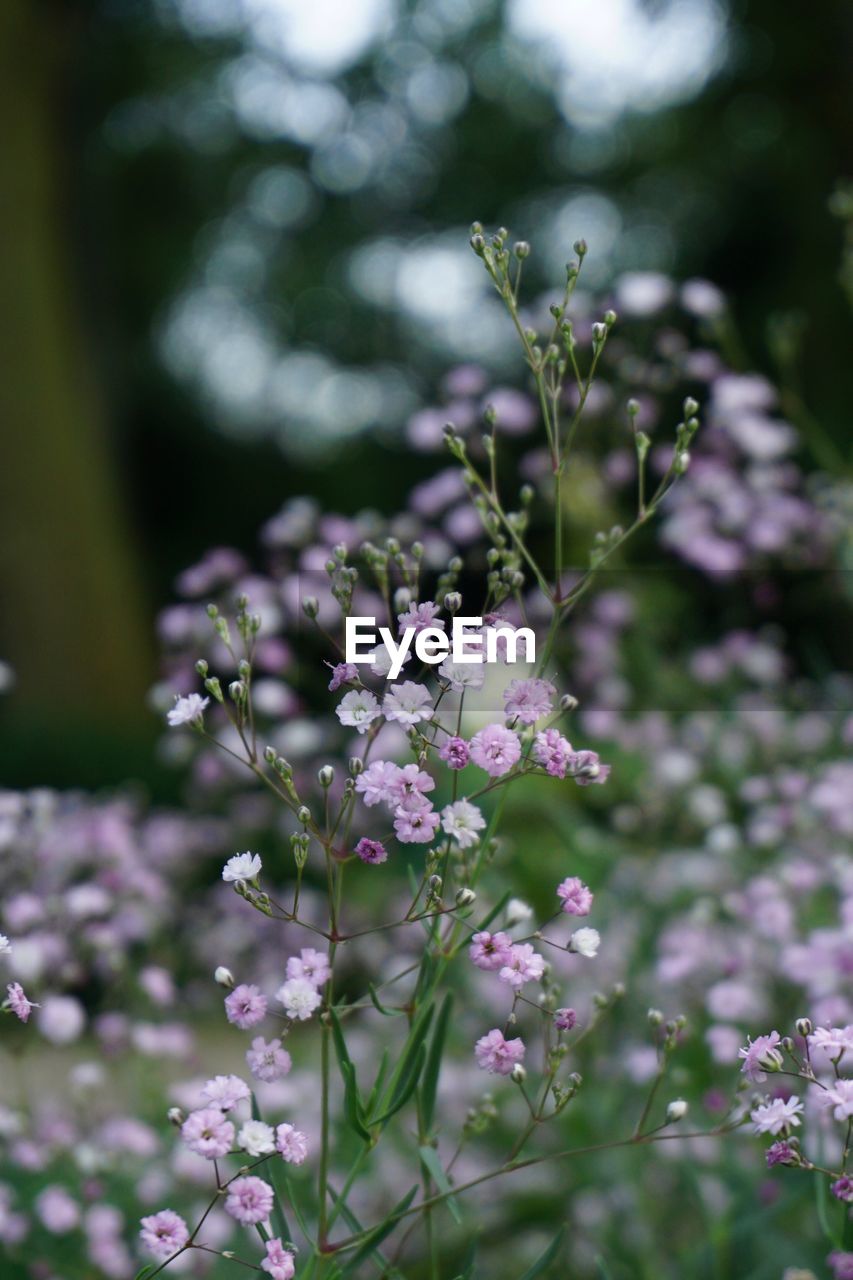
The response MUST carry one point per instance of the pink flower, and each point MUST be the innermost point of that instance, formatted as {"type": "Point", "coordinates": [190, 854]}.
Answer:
{"type": "Point", "coordinates": [490, 951]}
{"type": "Point", "coordinates": [565, 1019]}
{"type": "Point", "coordinates": [524, 965]}
{"type": "Point", "coordinates": [246, 1006]}
{"type": "Point", "coordinates": [454, 753]}
{"type": "Point", "coordinates": [290, 1144]}
{"type": "Point", "coordinates": [408, 783]}
{"type": "Point", "coordinates": [371, 851]}
{"type": "Point", "coordinates": [778, 1116]}
{"type": "Point", "coordinates": [249, 1200]}
{"type": "Point", "coordinates": [420, 616]}
{"type": "Point", "coordinates": [839, 1098]}
{"type": "Point", "coordinates": [576, 896]}
{"type": "Point", "coordinates": [497, 1055]}
{"type": "Point", "coordinates": [588, 769]}
{"type": "Point", "coordinates": [310, 964]}
{"type": "Point", "coordinates": [553, 752]}
{"type": "Point", "coordinates": [18, 1002]}
{"type": "Point", "coordinates": [528, 700]}
{"type": "Point", "coordinates": [267, 1060]}
{"type": "Point", "coordinates": [375, 784]}
{"type": "Point", "coordinates": [495, 749]}
{"type": "Point", "coordinates": [208, 1133]}
{"type": "Point", "coordinates": [164, 1233]}
{"type": "Point", "coordinates": [407, 703]}
{"type": "Point", "coordinates": [842, 1264]}
{"type": "Point", "coordinates": [279, 1261]}
{"type": "Point", "coordinates": [760, 1056]}
{"type": "Point", "coordinates": [416, 825]}
{"type": "Point", "coordinates": [58, 1211]}
{"type": "Point", "coordinates": [342, 673]}
{"type": "Point", "coordinates": [225, 1092]}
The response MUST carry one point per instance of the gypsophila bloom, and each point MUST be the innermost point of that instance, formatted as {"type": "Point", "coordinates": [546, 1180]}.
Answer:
{"type": "Point", "coordinates": [164, 1233]}
{"type": "Point", "coordinates": [454, 753]}
{"type": "Point", "coordinates": [278, 1263]}
{"type": "Point", "coordinates": [586, 769]}
{"type": "Point", "coordinates": [358, 709]}
{"type": "Point", "coordinates": [585, 942]}
{"type": "Point", "coordinates": [781, 1152]}
{"type": "Point", "coordinates": [524, 965]}
{"type": "Point", "coordinates": [310, 964]}
{"type": "Point", "coordinates": [495, 749]}
{"type": "Point", "coordinates": [833, 1041]}
{"type": "Point", "coordinates": [496, 1054]}
{"type": "Point", "coordinates": [208, 1133]}
{"type": "Point", "coordinates": [246, 1006]}
{"type": "Point", "coordinates": [268, 1061]}
{"type": "Point", "coordinates": [528, 700]}
{"type": "Point", "coordinates": [290, 1144]}
{"type": "Point", "coordinates": [249, 1200]}
{"type": "Point", "coordinates": [407, 703]}
{"type": "Point", "coordinates": [490, 951]}
{"type": "Point", "coordinates": [565, 1019]}
{"type": "Point", "coordinates": [421, 616]}
{"type": "Point", "coordinates": [256, 1138]}
{"type": "Point", "coordinates": [299, 997]}
{"type": "Point", "coordinates": [409, 783]}
{"type": "Point", "coordinates": [342, 673]}
{"type": "Point", "coordinates": [463, 675]}
{"type": "Point", "coordinates": [553, 752]}
{"type": "Point", "coordinates": [18, 1002]}
{"type": "Point", "coordinates": [462, 821]}
{"type": "Point", "coordinates": [576, 896]}
{"type": "Point", "coordinates": [376, 783]}
{"type": "Point", "coordinates": [842, 1189]}
{"type": "Point", "coordinates": [777, 1116]}
{"type": "Point", "coordinates": [839, 1099]}
{"type": "Point", "coordinates": [415, 824]}
{"type": "Point", "coordinates": [59, 1212]}
{"type": "Point", "coordinates": [842, 1264]}
{"type": "Point", "coordinates": [371, 851]}
{"type": "Point", "coordinates": [760, 1056]}
{"type": "Point", "coordinates": [242, 866]}
{"type": "Point", "coordinates": [189, 710]}
{"type": "Point", "coordinates": [225, 1092]}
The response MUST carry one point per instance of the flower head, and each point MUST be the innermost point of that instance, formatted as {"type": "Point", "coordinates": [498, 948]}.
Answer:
{"type": "Point", "coordinates": [490, 951]}
{"type": "Point", "coordinates": [18, 1002]}
{"type": "Point", "coordinates": [585, 942]}
{"type": "Point", "coordinates": [358, 709]}
{"type": "Point", "coordinates": [371, 851]}
{"type": "Point", "coordinates": [496, 1054]}
{"type": "Point", "coordinates": [246, 1006]}
{"type": "Point", "coordinates": [342, 673]}
{"type": "Point", "coordinates": [407, 703]}
{"type": "Point", "coordinates": [242, 866]}
{"type": "Point", "coordinates": [576, 896]}
{"type": "Point", "coordinates": [208, 1133]}
{"type": "Point", "coordinates": [565, 1019]}
{"type": "Point", "coordinates": [225, 1092]}
{"type": "Point", "coordinates": [528, 700]}
{"type": "Point", "coordinates": [553, 752]}
{"type": "Point", "coordinates": [462, 821]}
{"type": "Point", "coordinates": [760, 1056]}
{"type": "Point", "coordinates": [375, 784]}
{"type": "Point", "coordinates": [839, 1099]}
{"type": "Point", "coordinates": [777, 1116]}
{"type": "Point", "coordinates": [164, 1233]}
{"type": "Point", "coordinates": [278, 1263]}
{"type": "Point", "coordinates": [249, 1200]}
{"type": "Point", "coordinates": [524, 965]}
{"type": "Point", "coordinates": [299, 997]}
{"type": "Point", "coordinates": [420, 616]}
{"type": "Point", "coordinates": [290, 1144]}
{"type": "Point", "coordinates": [189, 710]}
{"type": "Point", "coordinates": [310, 964]}
{"type": "Point", "coordinates": [495, 749]}
{"type": "Point", "coordinates": [256, 1138]}
{"type": "Point", "coordinates": [267, 1060]}
{"type": "Point", "coordinates": [454, 752]}
{"type": "Point", "coordinates": [416, 824]}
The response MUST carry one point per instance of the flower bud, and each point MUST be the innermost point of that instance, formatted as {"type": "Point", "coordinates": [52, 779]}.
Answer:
{"type": "Point", "coordinates": [356, 766]}
{"type": "Point", "coordinates": [465, 897]}
{"type": "Point", "coordinates": [691, 407]}
{"type": "Point", "coordinates": [655, 1017]}
{"type": "Point", "coordinates": [311, 606]}
{"type": "Point", "coordinates": [453, 601]}
{"type": "Point", "coordinates": [223, 977]}
{"type": "Point", "coordinates": [804, 1026]}
{"type": "Point", "coordinates": [201, 668]}
{"type": "Point", "coordinates": [326, 776]}
{"type": "Point", "coordinates": [580, 247]}
{"type": "Point", "coordinates": [176, 1116]}
{"type": "Point", "coordinates": [676, 1110]}
{"type": "Point", "coordinates": [569, 702]}
{"type": "Point", "coordinates": [519, 1075]}
{"type": "Point", "coordinates": [303, 814]}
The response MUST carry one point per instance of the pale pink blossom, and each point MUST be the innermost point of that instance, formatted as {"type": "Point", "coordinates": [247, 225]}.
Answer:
{"type": "Point", "coordinates": [407, 703]}
{"type": "Point", "coordinates": [267, 1060]}
{"type": "Point", "coordinates": [208, 1133]}
{"type": "Point", "coordinates": [246, 1006]}
{"type": "Point", "coordinates": [291, 1145]}
{"type": "Point", "coordinates": [528, 700]}
{"type": "Point", "coordinates": [225, 1092]}
{"type": "Point", "coordinates": [524, 965]}
{"type": "Point", "coordinates": [164, 1233]}
{"type": "Point", "coordinates": [249, 1200]}
{"type": "Point", "coordinates": [358, 709]}
{"type": "Point", "coordinates": [415, 825]}
{"type": "Point", "coordinates": [498, 1055]}
{"type": "Point", "coordinates": [310, 964]}
{"type": "Point", "coordinates": [576, 896]}
{"type": "Point", "coordinates": [760, 1056]}
{"type": "Point", "coordinates": [495, 749]}
{"type": "Point", "coordinates": [18, 1002]}
{"type": "Point", "coordinates": [278, 1263]}
{"type": "Point", "coordinates": [299, 997]}
{"type": "Point", "coordinates": [490, 951]}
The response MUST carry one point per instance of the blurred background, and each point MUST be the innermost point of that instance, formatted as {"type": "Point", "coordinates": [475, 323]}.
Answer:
{"type": "Point", "coordinates": [207, 211]}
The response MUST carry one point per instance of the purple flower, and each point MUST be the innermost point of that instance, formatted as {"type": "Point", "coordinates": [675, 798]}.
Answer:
{"type": "Point", "coordinates": [249, 1200]}
{"type": "Point", "coordinates": [290, 1144]}
{"type": "Point", "coordinates": [496, 1054]}
{"type": "Point", "coordinates": [375, 784]}
{"type": "Point", "coordinates": [225, 1092]}
{"type": "Point", "coordinates": [495, 749]}
{"type": "Point", "coordinates": [278, 1263]}
{"type": "Point", "coordinates": [781, 1152]}
{"type": "Point", "coordinates": [420, 616]}
{"type": "Point", "coordinates": [342, 673]}
{"type": "Point", "coordinates": [842, 1189]}
{"type": "Point", "coordinates": [164, 1233]}
{"type": "Point", "coordinates": [371, 851]}
{"type": "Point", "coordinates": [842, 1265]}
{"type": "Point", "coordinates": [267, 1060]}
{"type": "Point", "coordinates": [587, 769]}
{"type": "Point", "coordinates": [565, 1019]}
{"type": "Point", "coordinates": [310, 964]}
{"type": "Point", "coordinates": [528, 700]}
{"type": "Point", "coordinates": [553, 752]}
{"type": "Point", "coordinates": [760, 1056]}
{"type": "Point", "coordinates": [490, 951]}
{"type": "Point", "coordinates": [576, 896]}
{"type": "Point", "coordinates": [455, 753]}
{"type": "Point", "coordinates": [524, 965]}
{"type": "Point", "coordinates": [246, 1006]}
{"type": "Point", "coordinates": [416, 824]}
{"type": "Point", "coordinates": [208, 1133]}
{"type": "Point", "coordinates": [18, 1002]}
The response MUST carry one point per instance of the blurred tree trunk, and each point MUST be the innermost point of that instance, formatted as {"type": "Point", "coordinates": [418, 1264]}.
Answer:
{"type": "Point", "coordinates": [71, 622]}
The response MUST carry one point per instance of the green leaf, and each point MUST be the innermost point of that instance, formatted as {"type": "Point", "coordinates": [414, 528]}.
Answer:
{"type": "Point", "coordinates": [822, 1196]}
{"type": "Point", "coordinates": [278, 1178]}
{"type": "Point", "coordinates": [404, 1089]}
{"type": "Point", "coordinates": [379, 1233]}
{"type": "Point", "coordinates": [433, 1062]}
{"type": "Point", "coordinates": [145, 1271]}
{"type": "Point", "coordinates": [357, 1227]}
{"type": "Point", "coordinates": [377, 1084]}
{"type": "Point", "coordinates": [603, 1269]}
{"type": "Point", "coordinates": [352, 1103]}
{"type": "Point", "coordinates": [416, 1037]}
{"type": "Point", "coordinates": [547, 1257]}
{"type": "Point", "coordinates": [435, 1169]}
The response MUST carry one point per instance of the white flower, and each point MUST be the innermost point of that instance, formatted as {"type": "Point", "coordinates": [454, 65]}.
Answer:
{"type": "Point", "coordinates": [407, 703]}
{"type": "Point", "coordinates": [585, 942]}
{"type": "Point", "coordinates": [840, 1098]}
{"type": "Point", "coordinates": [777, 1116]}
{"type": "Point", "coordinates": [299, 997]}
{"type": "Point", "coordinates": [5, 945]}
{"type": "Point", "coordinates": [517, 911]}
{"type": "Point", "coordinates": [242, 866]}
{"type": "Point", "coordinates": [256, 1138]}
{"type": "Point", "coordinates": [189, 710]}
{"type": "Point", "coordinates": [462, 821]}
{"type": "Point", "coordinates": [383, 661]}
{"type": "Point", "coordinates": [462, 675]}
{"type": "Point", "coordinates": [357, 709]}
{"type": "Point", "coordinates": [676, 1110]}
